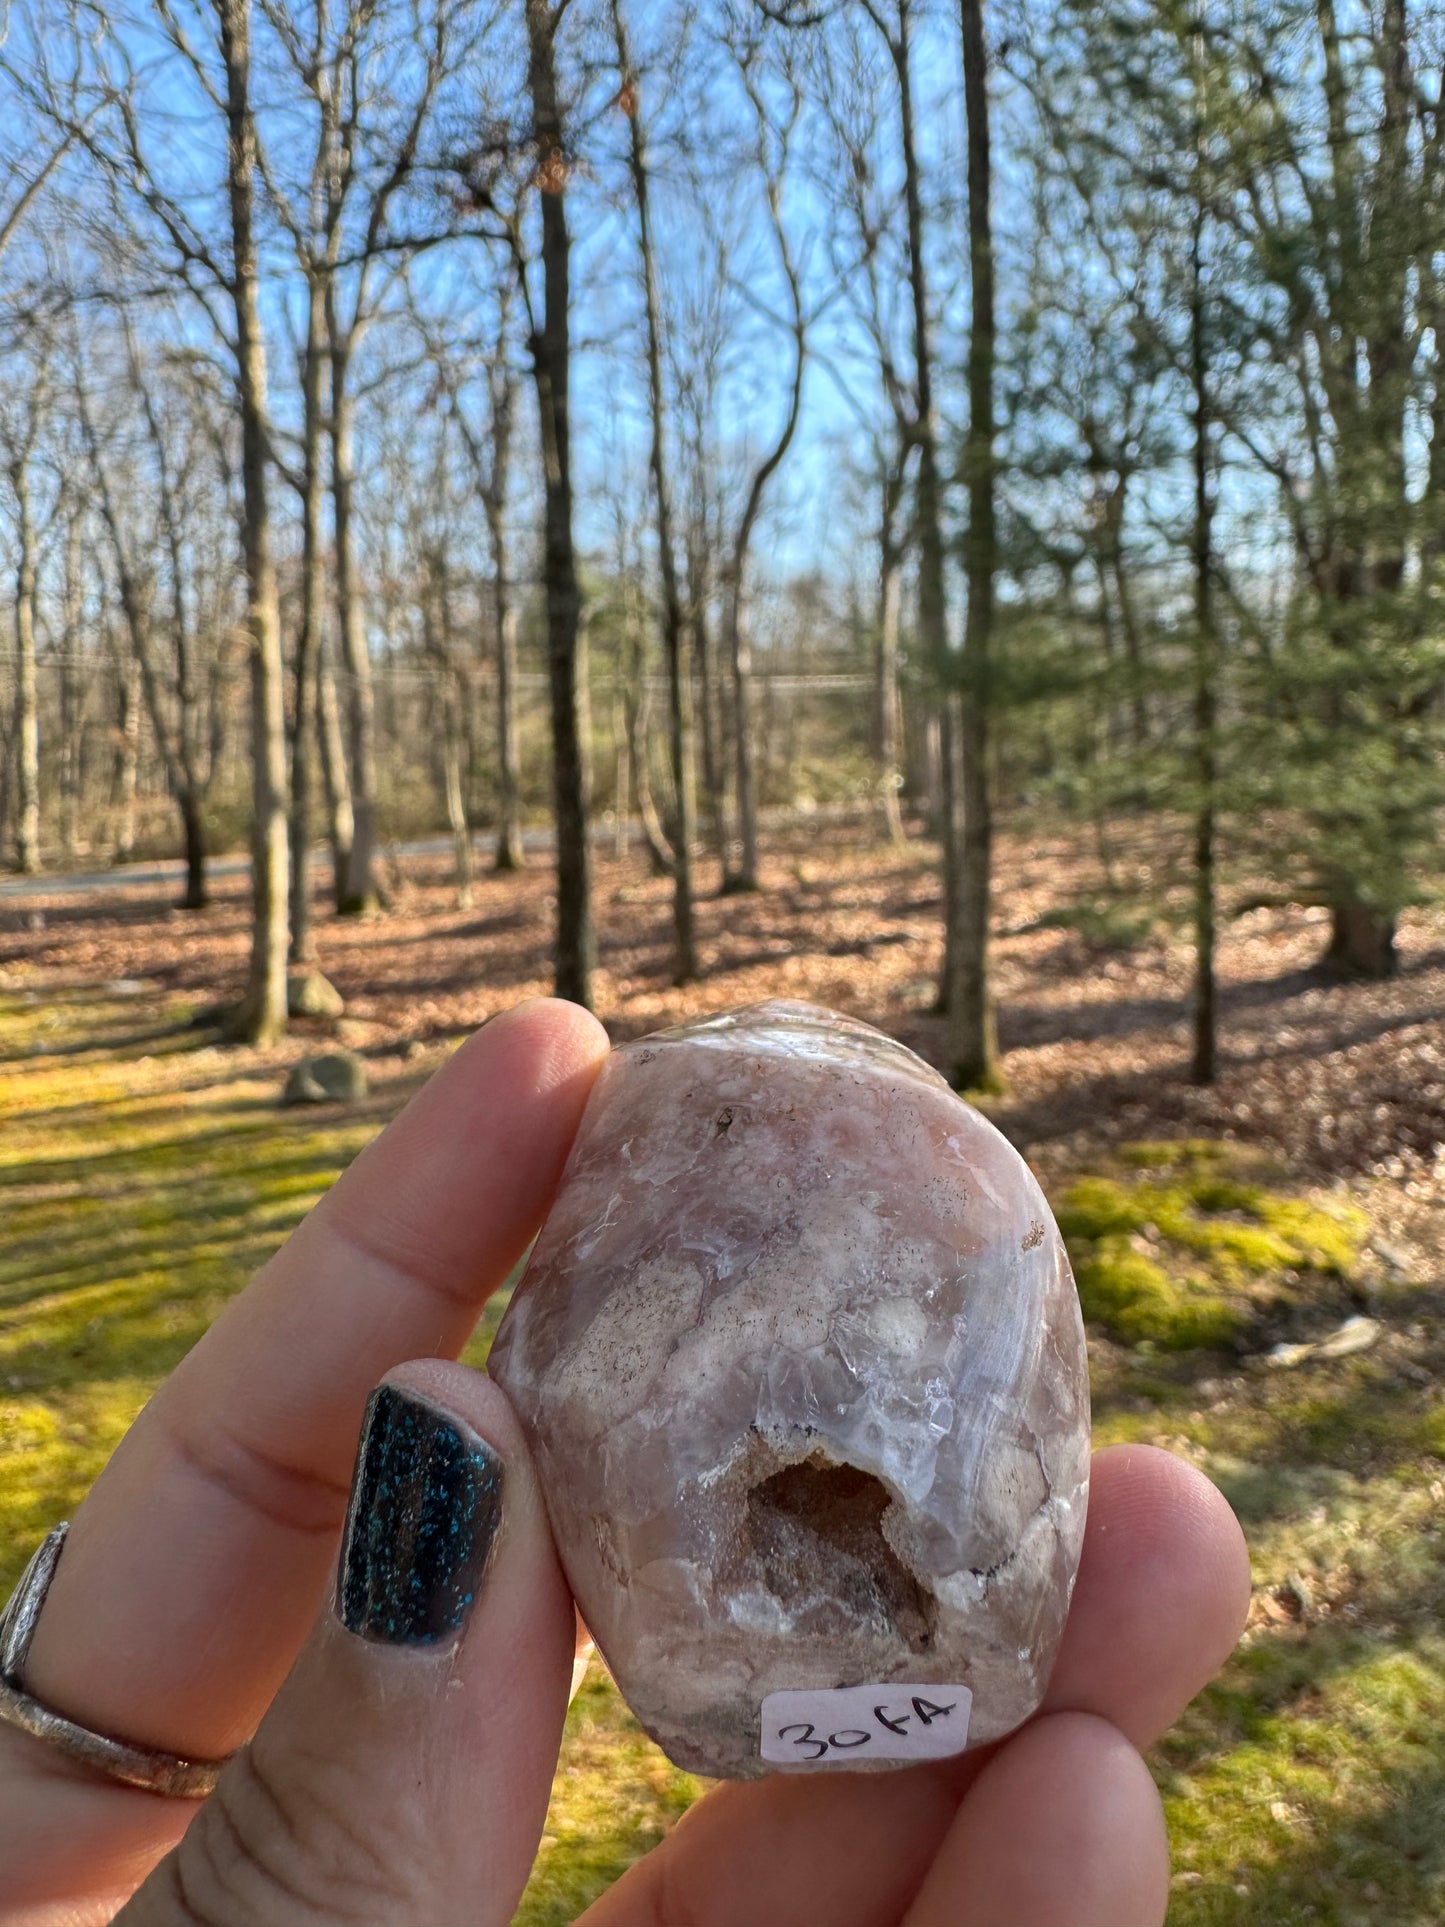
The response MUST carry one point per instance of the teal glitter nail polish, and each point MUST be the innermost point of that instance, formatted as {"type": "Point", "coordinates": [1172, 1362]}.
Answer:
{"type": "Point", "coordinates": [425, 1506]}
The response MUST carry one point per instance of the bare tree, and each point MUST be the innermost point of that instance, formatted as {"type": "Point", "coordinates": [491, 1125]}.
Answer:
{"type": "Point", "coordinates": [684, 965]}
{"type": "Point", "coordinates": [495, 490]}
{"type": "Point", "coordinates": [263, 1014]}
{"type": "Point", "coordinates": [634, 679]}
{"type": "Point", "coordinates": [893, 543]}
{"type": "Point", "coordinates": [209, 46]}
{"type": "Point", "coordinates": [1206, 639]}
{"type": "Point", "coordinates": [971, 1047]}
{"type": "Point", "coordinates": [188, 747]}
{"type": "Point", "coordinates": [696, 344]}
{"type": "Point", "coordinates": [872, 262]}
{"type": "Point", "coordinates": [894, 26]}
{"type": "Point", "coordinates": [21, 427]}
{"type": "Point", "coordinates": [307, 665]}
{"type": "Point", "coordinates": [345, 66]}
{"type": "Point", "coordinates": [72, 687]}
{"type": "Point", "coordinates": [335, 777]}
{"type": "Point", "coordinates": [489, 450]}
{"type": "Point", "coordinates": [28, 188]}
{"type": "Point", "coordinates": [773, 137]}
{"type": "Point", "coordinates": [439, 642]}
{"type": "Point", "coordinates": [550, 343]}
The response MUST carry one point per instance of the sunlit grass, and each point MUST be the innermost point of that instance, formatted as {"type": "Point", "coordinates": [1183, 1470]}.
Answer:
{"type": "Point", "coordinates": [142, 1181]}
{"type": "Point", "coordinates": [615, 1796]}
{"type": "Point", "coordinates": [1334, 1813]}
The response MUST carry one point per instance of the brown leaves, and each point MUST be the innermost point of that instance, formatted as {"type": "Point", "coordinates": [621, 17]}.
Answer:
{"type": "Point", "coordinates": [1333, 1078]}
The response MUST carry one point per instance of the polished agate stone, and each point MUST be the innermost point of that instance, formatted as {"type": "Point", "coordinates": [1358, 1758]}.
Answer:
{"type": "Point", "coordinates": [800, 1357]}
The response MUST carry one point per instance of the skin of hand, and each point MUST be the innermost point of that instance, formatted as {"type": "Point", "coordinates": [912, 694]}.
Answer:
{"type": "Point", "coordinates": [378, 1778]}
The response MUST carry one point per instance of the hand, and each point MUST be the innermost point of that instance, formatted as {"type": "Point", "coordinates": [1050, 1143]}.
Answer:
{"type": "Point", "coordinates": [386, 1780]}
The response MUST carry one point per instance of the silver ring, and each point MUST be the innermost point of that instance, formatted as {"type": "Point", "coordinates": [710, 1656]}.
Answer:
{"type": "Point", "coordinates": [140, 1766]}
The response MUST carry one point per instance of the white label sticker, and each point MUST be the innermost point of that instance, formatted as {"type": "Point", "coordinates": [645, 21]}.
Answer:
{"type": "Point", "coordinates": [848, 1725]}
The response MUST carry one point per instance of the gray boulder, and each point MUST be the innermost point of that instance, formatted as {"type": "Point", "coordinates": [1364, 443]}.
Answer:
{"type": "Point", "coordinates": [309, 994]}
{"type": "Point", "coordinates": [336, 1077]}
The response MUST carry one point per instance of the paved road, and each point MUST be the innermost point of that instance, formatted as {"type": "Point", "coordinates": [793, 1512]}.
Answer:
{"type": "Point", "coordinates": [173, 870]}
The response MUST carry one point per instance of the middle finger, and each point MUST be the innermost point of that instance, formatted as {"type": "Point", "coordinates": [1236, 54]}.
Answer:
{"type": "Point", "coordinates": [1162, 1592]}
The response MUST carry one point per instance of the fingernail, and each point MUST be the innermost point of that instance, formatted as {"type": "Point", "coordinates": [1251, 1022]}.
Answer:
{"type": "Point", "coordinates": [425, 1506]}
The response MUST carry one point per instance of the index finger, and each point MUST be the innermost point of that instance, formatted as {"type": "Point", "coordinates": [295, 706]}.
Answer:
{"type": "Point", "coordinates": [199, 1559]}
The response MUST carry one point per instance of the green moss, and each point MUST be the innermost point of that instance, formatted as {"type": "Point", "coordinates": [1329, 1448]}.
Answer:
{"type": "Point", "coordinates": [1430, 1431]}
{"type": "Point", "coordinates": [1165, 1153]}
{"type": "Point", "coordinates": [1124, 1428]}
{"type": "Point", "coordinates": [1263, 1232]}
{"type": "Point", "coordinates": [1139, 1302]}
{"type": "Point", "coordinates": [1097, 1207]}
{"type": "Point", "coordinates": [1159, 1260]}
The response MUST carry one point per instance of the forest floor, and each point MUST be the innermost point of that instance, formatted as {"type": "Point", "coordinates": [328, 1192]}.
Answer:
{"type": "Point", "coordinates": [1224, 1239]}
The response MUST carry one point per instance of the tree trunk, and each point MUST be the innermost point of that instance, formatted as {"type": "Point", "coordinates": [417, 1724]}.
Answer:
{"type": "Point", "coordinates": [181, 757]}
{"type": "Point", "coordinates": [932, 599]}
{"type": "Point", "coordinates": [743, 875]}
{"type": "Point", "coordinates": [950, 835]}
{"type": "Point", "coordinates": [9, 722]}
{"type": "Point", "coordinates": [703, 669]}
{"type": "Point", "coordinates": [128, 761]}
{"type": "Point", "coordinates": [1203, 1061]}
{"type": "Point", "coordinates": [575, 944]}
{"type": "Point", "coordinates": [1368, 361]}
{"type": "Point", "coordinates": [622, 772]}
{"type": "Point", "coordinates": [495, 489]}
{"type": "Point", "coordinates": [971, 1045]}
{"type": "Point", "coordinates": [583, 683]}
{"type": "Point", "coordinates": [440, 639]}
{"type": "Point", "coordinates": [684, 959]}
{"type": "Point", "coordinates": [509, 782]}
{"type": "Point", "coordinates": [931, 772]}
{"type": "Point", "coordinates": [262, 1016]}
{"type": "Point", "coordinates": [71, 725]}
{"type": "Point", "coordinates": [636, 703]}
{"type": "Point", "coordinates": [359, 894]}
{"type": "Point", "coordinates": [741, 871]}
{"type": "Point", "coordinates": [1129, 625]}
{"type": "Point", "coordinates": [336, 782]}
{"type": "Point", "coordinates": [739, 643]}
{"type": "Point", "coordinates": [72, 701]}
{"type": "Point", "coordinates": [27, 706]}
{"type": "Point", "coordinates": [887, 720]}
{"type": "Point", "coordinates": [313, 614]}
{"type": "Point", "coordinates": [1362, 938]}
{"type": "Point", "coordinates": [456, 807]}
{"type": "Point", "coordinates": [197, 894]}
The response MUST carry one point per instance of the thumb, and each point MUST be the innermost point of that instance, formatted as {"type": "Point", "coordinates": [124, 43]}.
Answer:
{"type": "Point", "coordinates": [402, 1772]}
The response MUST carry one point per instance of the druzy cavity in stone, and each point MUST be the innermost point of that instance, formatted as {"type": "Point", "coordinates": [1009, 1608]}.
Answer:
{"type": "Point", "coordinates": [800, 1357]}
